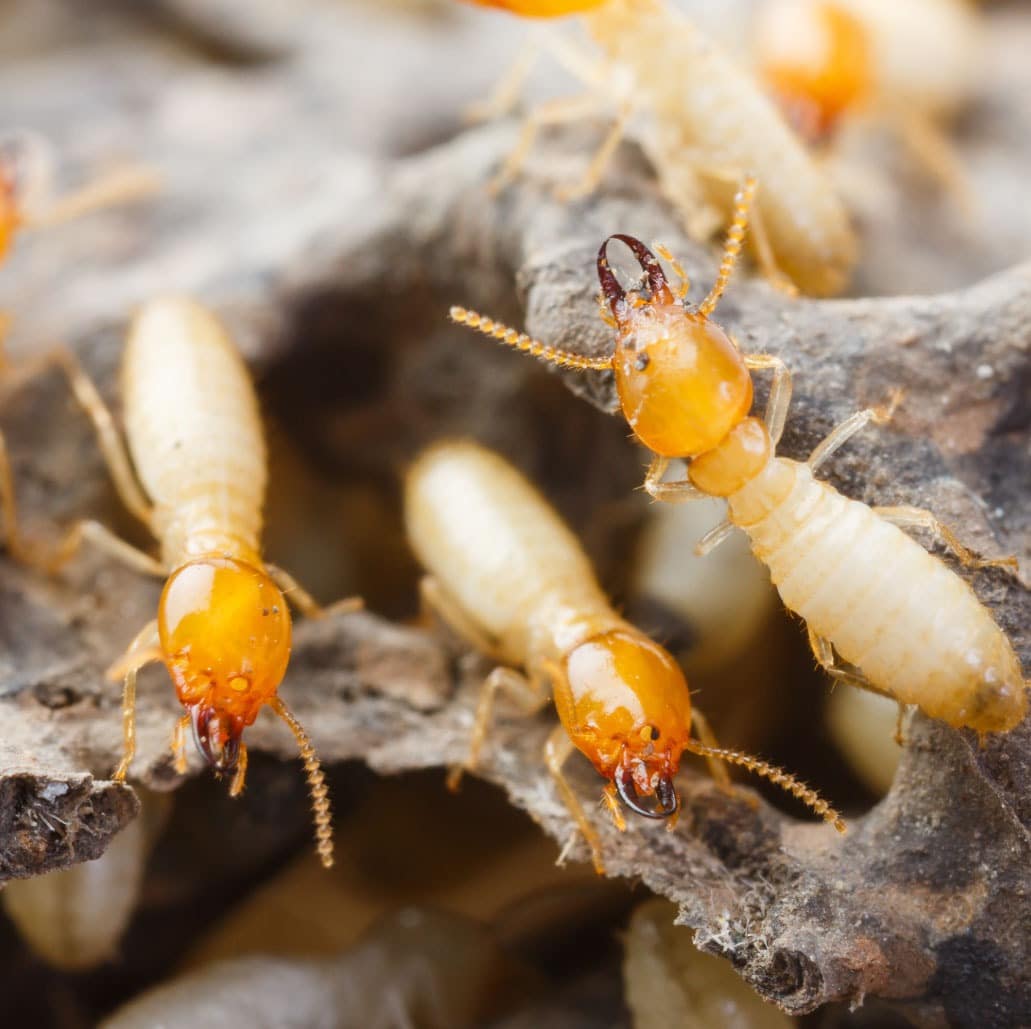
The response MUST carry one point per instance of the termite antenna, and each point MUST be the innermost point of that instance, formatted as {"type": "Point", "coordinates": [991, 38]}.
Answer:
{"type": "Point", "coordinates": [776, 775]}
{"type": "Point", "coordinates": [732, 248]}
{"type": "Point", "coordinates": [658, 285]}
{"type": "Point", "coordinates": [316, 784]}
{"type": "Point", "coordinates": [510, 337]}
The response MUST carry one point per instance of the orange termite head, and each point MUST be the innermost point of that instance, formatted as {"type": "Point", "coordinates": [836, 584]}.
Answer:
{"type": "Point", "coordinates": [818, 60]}
{"type": "Point", "coordinates": [541, 8]}
{"type": "Point", "coordinates": [625, 704]}
{"type": "Point", "coordinates": [224, 628]}
{"type": "Point", "coordinates": [682, 383]}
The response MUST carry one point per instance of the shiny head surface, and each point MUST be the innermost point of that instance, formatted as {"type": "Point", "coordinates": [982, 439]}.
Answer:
{"type": "Point", "coordinates": [625, 704]}
{"type": "Point", "coordinates": [682, 383]}
{"type": "Point", "coordinates": [224, 629]}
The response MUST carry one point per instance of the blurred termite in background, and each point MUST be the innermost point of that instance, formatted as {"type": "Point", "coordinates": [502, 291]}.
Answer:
{"type": "Point", "coordinates": [223, 628]}
{"type": "Point", "coordinates": [882, 613]}
{"type": "Point", "coordinates": [909, 66]}
{"type": "Point", "coordinates": [706, 124]}
{"type": "Point", "coordinates": [512, 580]}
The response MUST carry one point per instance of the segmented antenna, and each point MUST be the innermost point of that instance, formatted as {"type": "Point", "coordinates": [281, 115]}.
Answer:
{"type": "Point", "coordinates": [316, 784]}
{"type": "Point", "coordinates": [527, 344]}
{"type": "Point", "coordinates": [732, 247]}
{"type": "Point", "coordinates": [776, 775]}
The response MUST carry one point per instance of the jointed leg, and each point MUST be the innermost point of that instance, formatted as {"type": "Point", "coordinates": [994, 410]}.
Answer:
{"type": "Point", "coordinates": [139, 653]}
{"type": "Point", "coordinates": [939, 156]}
{"type": "Point", "coordinates": [103, 539]}
{"type": "Point", "coordinates": [596, 169]}
{"type": "Point", "coordinates": [684, 285]}
{"type": "Point", "coordinates": [717, 768]}
{"type": "Point", "coordinates": [713, 538]}
{"type": "Point", "coordinates": [179, 744]}
{"type": "Point", "coordinates": [823, 651]}
{"type": "Point", "coordinates": [765, 259]}
{"type": "Point", "coordinates": [557, 750]}
{"type": "Point", "coordinates": [503, 97]}
{"type": "Point", "coordinates": [16, 546]}
{"type": "Point", "coordinates": [918, 518]}
{"type": "Point", "coordinates": [780, 392]}
{"type": "Point", "coordinates": [842, 433]}
{"type": "Point", "coordinates": [116, 457]}
{"type": "Point", "coordinates": [670, 492]}
{"type": "Point", "coordinates": [305, 602]}
{"type": "Point", "coordinates": [554, 112]}
{"type": "Point", "coordinates": [530, 697]}
{"type": "Point", "coordinates": [434, 598]}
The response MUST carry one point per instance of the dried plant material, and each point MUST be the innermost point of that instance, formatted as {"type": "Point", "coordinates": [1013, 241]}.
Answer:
{"type": "Point", "coordinates": [670, 982]}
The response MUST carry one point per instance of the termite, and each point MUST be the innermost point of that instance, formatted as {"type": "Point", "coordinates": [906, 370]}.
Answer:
{"type": "Point", "coordinates": [709, 123]}
{"type": "Point", "coordinates": [511, 579]}
{"type": "Point", "coordinates": [882, 612]}
{"type": "Point", "coordinates": [223, 627]}
{"type": "Point", "coordinates": [832, 61]}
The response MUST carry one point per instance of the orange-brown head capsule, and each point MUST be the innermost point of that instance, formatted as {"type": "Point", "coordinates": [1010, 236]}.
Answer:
{"type": "Point", "coordinates": [626, 706]}
{"type": "Point", "coordinates": [541, 8]}
{"type": "Point", "coordinates": [225, 635]}
{"type": "Point", "coordinates": [818, 61]}
{"type": "Point", "coordinates": [682, 383]}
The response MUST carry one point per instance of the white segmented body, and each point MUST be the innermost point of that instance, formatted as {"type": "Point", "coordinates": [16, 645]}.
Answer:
{"type": "Point", "coordinates": [194, 431]}
{"type": "Point", "coordinates": [707, 110]}
{"type": "Point", "coordinates": [882, 600]}
{"type": "Point", "coordinates": [502, 553]}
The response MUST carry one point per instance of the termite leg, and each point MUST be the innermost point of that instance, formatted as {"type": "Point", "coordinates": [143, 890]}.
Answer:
{"type": "Point", "coordinates": [435, 600]}
{"type": "Point", "coordinates": [105, 540]}
{"type": "Point", "coordinates": [936, 152]}
{"type": "Point", "coordinates": [240, 775]}
{"type": "Point", "coordinates": [553, 112]}
{"type": "Point", "coordinates": [600, 161]}
{"type": "Point", "coordinates": [557, 750]}
{"type": "Point", "coordinates": [112, 446]}
{"type": "Point", "coordinates": [16, 546]}
{"type": "Point", "coordinates": [683, 286]}
{"type": "Point", "coordinates": [505, 94]}
{"type": "Point", "coordinates": [670, 492]}
{"type": "Point", "coordinates": [179, 744]}
{"type": "Point", "coordinates": [713, 538]}
{"type": "Point", "coordinates": [717, 768]}
{"type": "Point", "coordinates": [780, 392]}
{"type": "Point", "coordinates": [305, 602]}
{"type": "Point", "coordinates": [823, 651]}
{"type": "Point", "coordinates": [530, 697]}
{"type": "Point", "coordinates": [122, 185]}
{"type": "Point", "coordinates": [139, 653]}
{"type": "Point", "coordinates": [842, 433]}
{"type": "Point", "coordinates": [918, 518]}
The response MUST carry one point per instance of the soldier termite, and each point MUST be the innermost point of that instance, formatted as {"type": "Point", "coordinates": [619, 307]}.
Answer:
{"type": "Point", "coordinates": [709, 123]}
{"type": "Point", "coordinates": [223, 627]}
{"type": "Point", "coordinates": [513, 582]}
{"type": "Point", "coordinates": [881, 611]}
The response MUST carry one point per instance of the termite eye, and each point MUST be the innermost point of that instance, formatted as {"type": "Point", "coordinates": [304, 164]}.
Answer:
{"type": "Point", "coordinates": [650, 732]}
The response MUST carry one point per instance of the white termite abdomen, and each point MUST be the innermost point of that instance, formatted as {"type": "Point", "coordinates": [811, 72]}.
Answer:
{"type": "Point", "coordinates": [194, 430]}
{"type": "Point", "coordinates": [913, 627]}
{"type": "Point", "coordinates": [501, 552]}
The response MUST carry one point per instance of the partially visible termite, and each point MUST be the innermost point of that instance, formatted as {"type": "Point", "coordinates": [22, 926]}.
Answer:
{"type": "Point", "coordinates": [882, 612]}
{"type": "Point", "coordinates": [708, 123]}
{"type": "Point", "coordinates": [906, 65]}
{"type": "Point", "coordinates": [512, 580]}
{"type": "Point", "coordinates": [223, 627]}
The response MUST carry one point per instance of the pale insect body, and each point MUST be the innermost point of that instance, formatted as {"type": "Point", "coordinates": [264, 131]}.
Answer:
{"type": "Point", "coordinates": [904, 623]}
{"type": "Point", "coordinates": [197, 479]}
{"type": "Point", "coordinates": [708, 123]}
{"type": "Point", "coordinates": [513, 581]}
